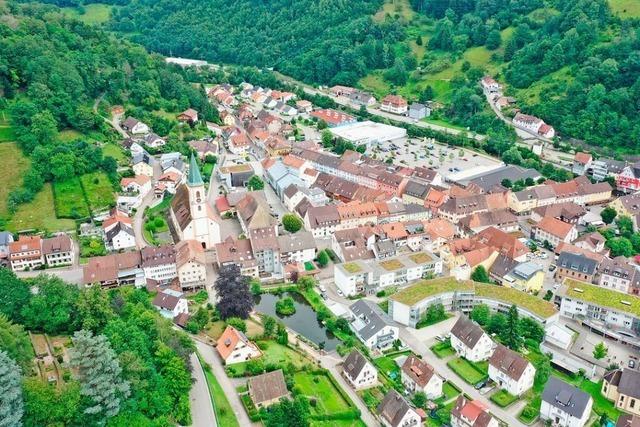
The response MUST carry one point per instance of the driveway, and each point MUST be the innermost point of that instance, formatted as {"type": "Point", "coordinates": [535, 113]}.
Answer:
{"type": "Point", "coordinates": [202, 414]}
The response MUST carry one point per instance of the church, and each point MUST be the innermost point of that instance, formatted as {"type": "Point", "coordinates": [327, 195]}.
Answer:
{"type": "Point", "coordinates": [192, 216]}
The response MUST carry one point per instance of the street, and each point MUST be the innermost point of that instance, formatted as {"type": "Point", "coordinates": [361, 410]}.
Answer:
{"type": "Point", "coordinates": [202, 414]}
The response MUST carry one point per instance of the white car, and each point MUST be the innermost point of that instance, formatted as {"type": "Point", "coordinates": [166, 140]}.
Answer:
{"type": "Point", "coordinates": [340, 293]}
{"type": "Point", "coordinates": [556, 286]}
{"type": "Point", "coordinates": [322, 288]}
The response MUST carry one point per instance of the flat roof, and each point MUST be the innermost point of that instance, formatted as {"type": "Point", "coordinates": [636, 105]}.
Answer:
{"type": "Point", "coordinates": [600, 296]}
{"type": "Point", "coordinates": [533, 304]}
{"type": "Point", "coordinates": [426, 288]}
{"type": "Point", "coordinates": [368, 131]}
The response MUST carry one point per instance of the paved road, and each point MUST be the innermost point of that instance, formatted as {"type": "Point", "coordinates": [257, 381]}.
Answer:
{"type": "Point", "coordinates": [68, 274]}
{"type": "Point", "coordinates": [202, 413]}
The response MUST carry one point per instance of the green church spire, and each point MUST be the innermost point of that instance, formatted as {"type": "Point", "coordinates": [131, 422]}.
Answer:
{"type": "Point", "coordinates": [194, 179]}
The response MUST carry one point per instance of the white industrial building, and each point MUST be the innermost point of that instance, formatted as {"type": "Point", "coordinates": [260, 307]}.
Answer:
{"type": "Point", "coordinates": [368, 133]}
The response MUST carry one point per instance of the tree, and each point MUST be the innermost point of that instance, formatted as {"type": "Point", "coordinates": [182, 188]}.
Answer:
{"type": "Point", "coordinates": [282, 336]}
{"type": "Point", "coordinates": [99, 373]}
{"type": "Point", "coordinates": [543, 370]}
{"type": "Point", "coordinates": [511, 334]}
{"type": "Point", "coordinates": [625, 226]}
{"type": "Point", "coordinates": [327, 138]}
{"type": "Point", "coordinates": [419, 40]}
{"type": "Point", "coordinates": [290, 413]}
{"type": "Point", "coordinates": [255, 183]}
{"type": "Point", "coordinates": [398, 73]}
{"type": "Point", "coordinates": [620, 246]}
{"type": "Point", "coordinates": [481, 314]}
{"type": "Point", "coordinates": [234, 296]}
{"type": "Point", "coordinates": [291, 223]}
{"type": "Point", "coordinates": [608, 214]}
{"type": "Point", "coordinates": [419, 399]}
{"type": "Point", "coordinates": [480, 275]}
{"type": "Point", "coordinates": [600, 351]}
{"type": "Point", "coordinates": [322, 259]}
{"type": "Point", "coordinates": [533, 247]}
{"type": "Point", "coordinates": [531, 329]}
{"type": "Point", "coordinates": [494, 40]}
{"type": "Point", "coordinates": [435, 313]}
{"type": "Point", "coordinates": [506, 183]}
{"type": "Point", "coordinates": [497, 323]}
{"type": "Point", "coordinates": [14, 294]}
{"type": "Point", "coordinates": [50, 406]}
{"type": "Point", "coordinates": [53, 309]}
{"type": "Point", "coordinates": [443, 35]}
{"type": "Point", "coordinates": [11, 403]}
{"type": "Point", "coordinates": [305, 283]}
{"type": "Point", "coordinates": [15, 342]}
{"type": "Point", "coordinates": [269, 325]}
{"type": "Point", "coordinates": [237, 323]}
{"type": "Point", "coordinates": [94, 308]}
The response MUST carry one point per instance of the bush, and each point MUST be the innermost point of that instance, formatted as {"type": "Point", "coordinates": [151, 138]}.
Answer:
{"type": "Point", "coordinates": [237, 323]}
{"type": "Point", "coordinates": [323, 259]}
{"type": "Point", "coordinates": [285, 306]}
{"type": "Point", "coordinates": [291, 223]}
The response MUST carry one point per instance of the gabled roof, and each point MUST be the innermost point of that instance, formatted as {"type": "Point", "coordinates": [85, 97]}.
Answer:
{"type": "Point", "coordinates": [467, 331]}
{"type": "Point", "coordinates": [565, 397]}
{"type": "Point", "coordinates": [229, 340]}
{"type": "Point", "coordinates": [393, 408]}
{"type": "Point", "coordinates": [57, 244]}
{"type": "Point", "coordinates": [167, 300]}
{"type": "Point", "coordinates": [267, 387]}
{"type": "Point", "coordinates": [418, 370]}
{"type": "Point", "coordinates": [472, 410]}
{"type": "Point", "coordinates": [554, 226]}
{"type": "Point", "coordinates": [375, 318]}
{"type": "Point", "coordinates": [354, 363]}
{"type": "Point", "coordinates": [508, 362]}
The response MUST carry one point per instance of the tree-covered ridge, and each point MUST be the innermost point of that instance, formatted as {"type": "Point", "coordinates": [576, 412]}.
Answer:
{"type": "Point", "coordinates": [326, 41]}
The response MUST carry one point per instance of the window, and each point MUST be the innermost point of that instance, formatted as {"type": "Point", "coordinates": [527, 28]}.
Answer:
{"type": "Point", "coordinates": [632, 403]}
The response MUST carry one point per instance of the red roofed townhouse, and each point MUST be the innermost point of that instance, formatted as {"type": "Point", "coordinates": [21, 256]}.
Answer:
{"type": "Point", "coordinates": [554, 231]}
{"type": "Point", "coordinates": [394, 104]}
{"type": "Point", "coordinates": [581, 163]}
{"type": "Point", "coordinates": [471, 413]}
{"type": "Point", "coordinates": [234, 347]}
{"type": "Point", "coordinates": [489, 84]}
{"type": "Point", "coordinates": [333, 118]}
{"type": "Point", "coordinates": [189, 116]}
{"type": "Point", "coordinates": [534, 125]}
{"type": "Point", "coordinates": [26, 253]}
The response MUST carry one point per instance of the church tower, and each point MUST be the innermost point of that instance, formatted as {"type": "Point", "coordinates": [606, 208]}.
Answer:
{"type": "Point", "coordinates": [197, 193]}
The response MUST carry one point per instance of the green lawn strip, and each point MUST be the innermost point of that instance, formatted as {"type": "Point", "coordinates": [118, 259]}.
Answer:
{"type": "Point", "coordinates": [115, 151]}
{"type": "Point", "coordinates": [221, 406]}
{"type": "Point", "coordinates": [273, 354]}
{"type": "Point", "coordinates": [39, 214]}
{"type": "Point", "coordinates": [423, 323]}
{"type": "Point", "coordinates": [69, 198]}
{"type": "Point", "coordinates": [449, 390]}
{"type": "Point", "coordinates": [503, 398]}
{"type": "Point", "coordinates": [95, 13]}
{"type": "Point", "coordinates": [7, 134]}
{"type": "Point", "coordinates": [11, 177]}
{"type": "Point", "coordinates": [337, 423]}
{"type": "Point", "coordinates": [471, 372]}
{"type": "Point", "coordinates": [99, 190]}
{"type": "Point", "coordinates": [443, 349]}
{"type": "Point", "coordinates": [330, 400]}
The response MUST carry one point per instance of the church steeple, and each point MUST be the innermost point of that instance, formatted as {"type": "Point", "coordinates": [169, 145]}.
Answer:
{"type": "Point", "coordinates": [194, 179]}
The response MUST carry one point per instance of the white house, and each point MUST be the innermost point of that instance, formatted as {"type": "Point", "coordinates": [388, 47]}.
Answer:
{"type": "Point", "coordinates": [372, 326]}
{"type": "Point", "coordinates": [234, 347]}
{"type": "Point", "coordinates": [170, 303]}
{"type": "Point", "coordinates": [140, 184]}
{"type": "Point", "coordinates": [490, 85]}
{"type": "Point", "coordinates": [470, 341]}
{"type": "Point", "coordinates": [26, 253]}
{"type": "Point", "coordinates": [534, 125]}
{"type": "Point", "coordinates": [394, 104]}
{"type": "Point", "coordinates": [134, 126]}
{"type": "Point", "coordinates": [58, 250]}
{"type": "Point", "coordinates": [554, 231]}
{"type": "Point", "coordinates": [159, 263]}
{"type": "Point", "coordinates": [297, 247]}
{"type": "Point", "coordinates": [191, 264]}
{"type": "Point", "coordinates": [471, 413]}
{"type": "Point", "coordinates": [565, 405]}
{"type": "Point", "coordinates": [143, 164]}
{"type": "Point", "coordinates": [358, 371]}
{"type": "Point", "coordinates": [119, 236]}
{"type": "Point", "coordinates": [510, 371]}
{"type": "Point", "coordinates": [394, 411]}
{"type": "Point", "coordinates": [153, 140]}
{"type": "Point", "coordinates": [418, 376]}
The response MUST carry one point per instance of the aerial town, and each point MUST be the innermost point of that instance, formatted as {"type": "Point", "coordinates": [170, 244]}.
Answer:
{"type": "Point", "coordinates": [392, 280]}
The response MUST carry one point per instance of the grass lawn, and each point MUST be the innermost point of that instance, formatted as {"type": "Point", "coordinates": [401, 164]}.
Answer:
{"type": "Point", "coordinates": [6, 133]}
{"type": "Point", "coordinates": [337, 423]}
{"type": "Point", "coordinates": [99, 190]}
{"type": "Point", "coordinates": [68, 135]}
{"type": "Point", "coordinates": [449, 391]}
{"type": "Point", "coordinates": [472, 373]}
{"type": "Point", "coordinates": [329, 400]}
{"type": "Point", "coordinates": [69, 199]}
{"type": "Point", "coordinates": [395, 7]}
{"type": "Point", "coordinates": [116, 152]}
{"type": "Point", "coordinates": [39, 214]}
{"type": "Point", "coordinates": [388, 366]}
{"type": "Point", "coordinates": [274, 354]}
{"type": "Point", "coordinates": [95, 13]}
{"type": "Point", "coordinates": [442, 123]}
{"type": "Point", "coordinates": [443, 349]}
{"type": "Point", "coordinates": [503, 398]}
{"type": "Point", "coordinates": [11, 177]}
{"type": "Point", "coordinates": [625, 8]}
{"type": "Point", "coordinates": [223, 410]}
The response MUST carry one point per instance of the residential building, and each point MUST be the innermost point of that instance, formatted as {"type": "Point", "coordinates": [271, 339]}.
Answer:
{"type": "Point", "coordinates": [490, 85]}
{"type": "Point", "coordinates": [569, 212]}
{"type": "Point", "coordinates": [159, 263]}
{"type": "Point", "coordinates": [510, 371]}
{"type": "Point", "coordinates": [372, 326]}
{"type": "Point", "coordinates": [502, 219]}
{"type": "Point", "coordinates": [189, 116]}
{"type": "Point", "coordinates": [5, 239]}
{"type": "Point", "coordinates": [419, 111]}
{"type": "Point", "coordinates": [358, 371]}
{"type": "Point", "coordinates": [627, 420]}
{"type": "Point", "coordinates": [298, 247]}
{"type": "Point", "coordinates": [119, 236]}
{"type": "Point", "coordinates": [267, 389]}
{"type": "Point", "coordinates": [114, 270]}
{"type": "Point", "coordinates": [471, 413]}
{"type": "Point", "coordinates": [153, 140]}
{"type": "Point", "coordinates": [134, 126]}
{"type": "Point", "coordinates": [628, 205]}
{"type": "Point", "coordinates": [394, 104]}
{"type": "Point", "coordinates": [142, 164]}
{"type": "Point", "coordinates": [58, 250]}
{"type": "Point", "coordinates": [581, 163]}
{"type": "Point", "coordinates": [470, 341]}
{"type": "Point", "coordinates": [140, 185]}
{"type": "Point", "coordinates": [554, 231]}
{"type": "Point", "coordinates": [322, 221]}
{"type": "Point", "coordinates": [524, 276]}
{"type": "Point", "coordinates": [575, 266]}
{"type": "Point", "coordinates": [26, 253]}
{"type": "Point", "coordinates": [191, 265]}
{"type": "Point", "coordinates": [394, 411]}
{"type": "Point", "coordinates": [418, 376]}
{"type": "Point", "coordinates": [170, 303]}
{"type": "Point", "coordinates": [565, 405]}
{"type": "Point", "coordinates": [620, 275]}
{"type": "Point", "coordinates": [628, 180]}
{"type": "Point", "coordinates": [240, 253]}
{"type": "Point", "coordinates": [234, 347]}
{"type": "Point", "coordinates": [592, 242]}
{"type": "Point", "coordinates": [622, 387]}
{"type": "Point", "coordinates": [358, 98]}
{"type": "Point", "coordinates": [333, 118]}
{"type": "Point", "coordinates": [533, 125]}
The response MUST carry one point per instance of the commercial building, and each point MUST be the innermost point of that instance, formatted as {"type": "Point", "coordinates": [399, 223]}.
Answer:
{"type": "Point", "coordinates": [368, 133]}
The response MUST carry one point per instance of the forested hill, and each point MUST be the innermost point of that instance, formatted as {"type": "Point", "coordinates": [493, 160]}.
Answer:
{"type": "Point", "coordinates": [323, 41]}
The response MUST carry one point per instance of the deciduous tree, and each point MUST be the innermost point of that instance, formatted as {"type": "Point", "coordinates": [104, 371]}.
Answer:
{"type": "Point", "coordinates": [234, 296]}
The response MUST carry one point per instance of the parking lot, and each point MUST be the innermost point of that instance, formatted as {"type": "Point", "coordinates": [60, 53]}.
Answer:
{"type": "Point", "coordinates": [418, 152]}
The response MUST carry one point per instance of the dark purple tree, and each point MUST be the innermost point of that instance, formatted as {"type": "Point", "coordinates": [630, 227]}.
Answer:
{"type": "Point", "coordinates": [234, 295]}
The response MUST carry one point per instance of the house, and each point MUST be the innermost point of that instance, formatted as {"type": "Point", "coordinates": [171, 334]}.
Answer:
{"type": "Point", "coordinates": [628, 180]}
{"type": "Point", "coordinates": [622, 387]}
{"type": "Point", "coordinates": [358, 371]}
{"type": "Point", "coordinates": [372, 325]}
{"type": "Point", "coordinates": [189, 116]}
{"type": "Point", "coordinates": [26, 253]}
{"type": "Point", "coordinates": [191, 265]}
{"type": "Point", "coordinates": [140, 185]}
{"type": "Point", "coordinates": [575, 266]}
{"type": "Point", "coordinates": [502, 219]}
{"type": "Point", "coordinates": [159, 263]}
{"type": "Point", "coordinates": [525, 276]}
{"type": "Point", "coordinates": [394, 411]}
{"type": "Point", "coordinates": [134, 126]}
{"type": "Point", "coordinates": [418, 111]}
{"type": "Point", "coordinates": [418, 376]}
{"type": "Point", "coordinates": [170, 303]}
{"type": "Point", "coordinates": [358, 98]}
{"type": "Point", "coordinates": [333, 118]}
{"type": "Point", "coordinates": [581, 163]}
{"type": "Point", "coordinates": [267, 389]}
{"type": "Point", "coordinates": [118, 232]}
{"type": "Point", "coordinates": [394, 104]}
{"type": "Point", "coordinates": [5, 239]}
{"type": "Point", "coordinates": [239, 253]}
{"type": "Point", "coordinates": [471, 413]}
{"type": "Point", "coordinates": [234, 347]}
{"type": "Point", "coordinates": [628, 205]}
{"type": "Point", "coordinates": [554, 231]}
{"type": "Point", "coordinates": [170, 181]}
{"type": "Point", "coordinates": [620, 275]}
{"type": "Point", "coordinates": [470, 341]}
{"type": "Point", "coordinates": [142, 164]}
{"type": "Point", "coordinates": [339, 90]}
{"type": "Point", "coordinates": [304, 106]}
{"type": "Point", "coordinates": [569, 212]}
{"type": "Point", "coordinates": [204, 147]}
{"type": "Point", "coordinates": [58, 250]}
{"type": "Point", "coordinates": [236, 175]}
{"type": "Point", "coordinates": [592, 242]}
{"type": "Point", "coordinates": [154, 141]}
{"type": "Point", "coordinates": [565, 405]}
{"type": "Point", "coordinates": [626, 420]}
{"type": "Point", "coordinates": [510, 371]}
{"type": "Point", "coordinates": [490, 85]}
{"type": "Point", "coordinates": [533, 125]}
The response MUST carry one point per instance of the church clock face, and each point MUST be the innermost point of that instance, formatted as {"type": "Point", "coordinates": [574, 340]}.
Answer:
{"type": "Point", "coordinates": [198, 200]}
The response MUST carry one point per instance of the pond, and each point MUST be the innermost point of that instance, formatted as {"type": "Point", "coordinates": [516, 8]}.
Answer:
{"type": "Point", "coordinates": [304, 320]}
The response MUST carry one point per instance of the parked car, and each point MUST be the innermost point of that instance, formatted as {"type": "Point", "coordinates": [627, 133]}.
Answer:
{"type": "Point", "coordinates": [340, 293]}
{"type": "Point", "coordinates": [439, 338]}
{"type": "Point", "coordinates": [552, 267]}
{"type": "Point", "coordinates": [322, 288]}
{"type": "Point", "coordinates": [632, 364]}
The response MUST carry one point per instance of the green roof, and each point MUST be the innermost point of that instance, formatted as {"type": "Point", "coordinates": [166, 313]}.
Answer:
{"type": "Point", "coordinates": [420, 257]}
{"type": "Point", "coordinates": [391, 264]}
{"type": "Point", "coordinates": [533, 304]}
{"type": "Point", "coordinates": [351, 267]}
{"type": "Point", "coordinates": [426, 288]}
{"type": "Point", "coordinates": [194, 178]}
{"type": "Point", "coordinates": [602, 296]}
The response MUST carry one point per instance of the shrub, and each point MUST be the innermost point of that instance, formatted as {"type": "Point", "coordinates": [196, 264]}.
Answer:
{"type": "Point", "coordinates": [237, 323]}
{"type": "Point", "coordinates": [285, 306]}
